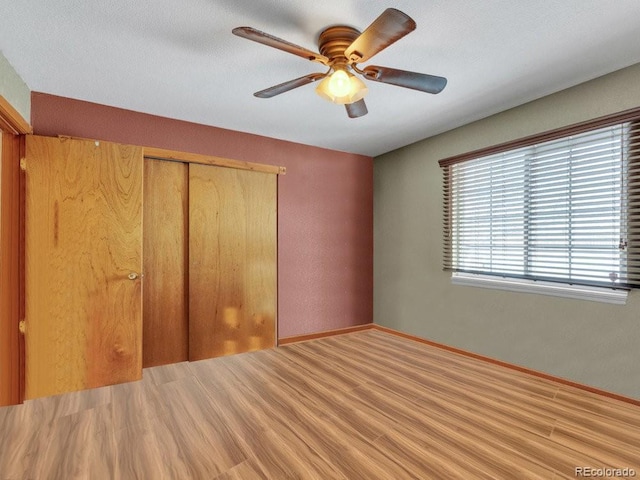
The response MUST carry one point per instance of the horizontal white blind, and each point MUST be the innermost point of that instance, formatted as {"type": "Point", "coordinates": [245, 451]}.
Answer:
{"type": "Point", "coordinates": [565, 210]}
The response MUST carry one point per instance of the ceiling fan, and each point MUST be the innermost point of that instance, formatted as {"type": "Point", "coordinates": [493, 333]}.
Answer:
{"type": "Point", "coordinates": [342, 48]}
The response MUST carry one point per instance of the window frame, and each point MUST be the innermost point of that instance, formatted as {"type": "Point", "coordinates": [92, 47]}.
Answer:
{"type": "Point", "coordinates": [559, 288]}
{"type": "Point", "coordinates": [553, 289]}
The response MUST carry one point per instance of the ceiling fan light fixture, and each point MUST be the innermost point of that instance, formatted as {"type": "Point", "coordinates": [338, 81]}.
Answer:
{"type": "Point", "coordinates": [342, 48]}
{"type": "Point", "coordinates": [342, 87]}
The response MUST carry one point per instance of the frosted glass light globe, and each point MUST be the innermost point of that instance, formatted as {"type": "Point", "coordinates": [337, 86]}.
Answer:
{"type": "Point", "coordinates": [339, 83]}
{"type": "Point", "coordinates": [341, 88]}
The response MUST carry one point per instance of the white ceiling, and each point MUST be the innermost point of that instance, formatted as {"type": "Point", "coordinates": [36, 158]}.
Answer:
{"type": "Point", "coordinates": [179, 59]}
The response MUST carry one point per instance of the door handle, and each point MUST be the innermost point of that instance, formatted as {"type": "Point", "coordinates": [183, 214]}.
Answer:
{"type": "Point", "coordinates": [133, 276]}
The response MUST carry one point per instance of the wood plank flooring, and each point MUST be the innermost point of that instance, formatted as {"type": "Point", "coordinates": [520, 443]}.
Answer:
{"type": "Point", "coordinates": [365, 405]}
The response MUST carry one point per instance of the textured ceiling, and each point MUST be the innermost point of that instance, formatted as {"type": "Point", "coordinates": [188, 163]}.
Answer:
{"type": "Point", "coordinates": [179, 59]}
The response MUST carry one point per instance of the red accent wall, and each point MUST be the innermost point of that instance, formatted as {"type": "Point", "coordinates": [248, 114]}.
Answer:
{"type": "Point", "coordinates": [325, 205]}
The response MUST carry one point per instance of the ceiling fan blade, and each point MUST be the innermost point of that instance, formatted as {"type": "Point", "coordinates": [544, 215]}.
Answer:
{"type": "Point", "coordinates": [275, 42]}
{"type": "Point", "coordinates": [388, 28]}
{"type": "Point", "coordinates": [290, 85]}
{"type": "Point", "coordinates": [356, 109]}
{"type": "Point", "coordinates": [402, 78]}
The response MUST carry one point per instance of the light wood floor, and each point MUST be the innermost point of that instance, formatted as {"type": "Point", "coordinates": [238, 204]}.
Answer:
{"type": "Point", "coordinates": [366, 405]}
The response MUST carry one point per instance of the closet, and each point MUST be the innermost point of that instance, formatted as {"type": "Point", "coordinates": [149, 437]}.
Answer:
{"type": "Point", "coordinates": [232, 261]}
{"type": "Point", "coordinates": [165, 336]}
{"type": "Point", "coordinates": [209, 261]}
{"type": "Point", "coordinates": [134, 260]}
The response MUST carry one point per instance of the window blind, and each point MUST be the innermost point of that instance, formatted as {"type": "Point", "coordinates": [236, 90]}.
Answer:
{"type": "Point", "coordinates": [564, 210]}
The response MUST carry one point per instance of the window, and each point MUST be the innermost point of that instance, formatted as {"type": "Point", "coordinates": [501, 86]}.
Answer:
{"type": "Point", "coordinates": [561, 209]}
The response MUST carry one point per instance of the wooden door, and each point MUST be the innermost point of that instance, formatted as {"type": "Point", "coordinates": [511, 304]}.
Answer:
{"type": "Point", "coordinates": [232, 261]}
{"type": "Point", "coordinates": [83, 241]}
{"type": "Point", "coordinates": [165, 305]}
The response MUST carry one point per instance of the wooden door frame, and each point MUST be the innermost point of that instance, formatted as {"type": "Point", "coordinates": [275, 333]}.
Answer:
{"type": "Point", "coordinates": [12, 128]}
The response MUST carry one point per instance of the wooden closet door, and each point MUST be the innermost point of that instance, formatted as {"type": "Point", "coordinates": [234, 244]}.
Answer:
{"type": "Point", "coordinates": [232, 261]}
{"type": "Point", "coordinates": [83, 241]}
{"type": "Point", "coordinates": [165, 314]}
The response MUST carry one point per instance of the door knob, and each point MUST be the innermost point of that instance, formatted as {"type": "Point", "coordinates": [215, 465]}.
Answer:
{"type": "Point", "coordinates": [133, 276]}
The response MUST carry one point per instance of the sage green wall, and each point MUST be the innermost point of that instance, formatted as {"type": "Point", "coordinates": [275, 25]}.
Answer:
{"type": "Point", "coordinates": [592, 343]}
{"type": "Point", "coordinates": [14, 90]}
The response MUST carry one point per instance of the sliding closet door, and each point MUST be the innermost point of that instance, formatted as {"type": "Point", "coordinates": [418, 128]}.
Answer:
{"type": "Point", "coordinates": [165, 317]}
{"type": "Point", "coordinates": [232, 261]}
{"type": "Point", "coordinates": [83, 241]}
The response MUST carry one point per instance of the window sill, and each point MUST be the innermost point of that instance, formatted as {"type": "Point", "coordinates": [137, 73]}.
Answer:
{"type": "Point", "coordinates": [594, 294]}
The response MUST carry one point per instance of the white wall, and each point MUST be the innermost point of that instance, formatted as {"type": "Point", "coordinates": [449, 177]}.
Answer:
{"type": "Point", "coordinates": [14, 90]}
{"type": "Point", "coordinates": [592, 343]}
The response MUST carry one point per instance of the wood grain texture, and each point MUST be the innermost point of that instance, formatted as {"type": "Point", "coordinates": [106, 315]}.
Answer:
{"type": "Point", "coordinates": [232, 261]}
{"type": "Point", "coordinates": [22, 269]}
{"type": "Point", "coordinates": [9, 269]}
{"type": "Point", "coordinates": [83, 239]}
{"type": "Point", "coordinates": [165, 257]}
{"type": "Point", "coordinates": [163, 154]}
{"type": "Point", "coordinates": [518, 368]}
{"type": "Point", "coordinates": [327, 333]}
{"type": "Point", "coordinates": [366, 405]}
{"type": "Point", "coordinates": [10, 119]}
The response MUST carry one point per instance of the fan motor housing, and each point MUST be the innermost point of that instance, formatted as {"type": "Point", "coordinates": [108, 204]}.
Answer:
{"type": "Point", "coordinates": [333, 41]}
